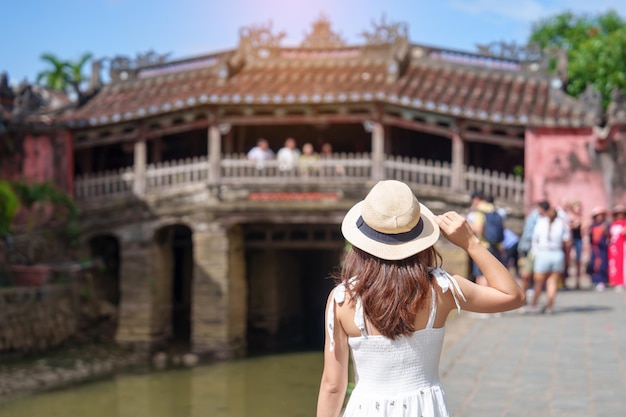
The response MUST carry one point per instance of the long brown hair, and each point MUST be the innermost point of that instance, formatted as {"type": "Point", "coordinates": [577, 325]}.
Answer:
{"type": "Point", "coordinates": [392, 292]}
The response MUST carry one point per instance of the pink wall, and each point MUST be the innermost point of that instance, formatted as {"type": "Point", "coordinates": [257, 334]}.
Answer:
{"type": "Point", "coordinates": [42, 157]}
{"type": "Point", "coordinates": [561, 165]}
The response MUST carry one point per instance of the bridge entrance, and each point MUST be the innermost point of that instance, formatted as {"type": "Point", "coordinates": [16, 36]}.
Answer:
{"type": "Point", "coordinates": [288, 270]}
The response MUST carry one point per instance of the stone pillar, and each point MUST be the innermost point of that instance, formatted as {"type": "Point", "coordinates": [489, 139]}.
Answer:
{"type": "Point", "coordinates": [136, 294]}
{"type": "Point", "coordinates": [458, 159]}
{"type": "Point", "coordinates": [215, 154]}
{"type": "Point", "coordinates": [219, 298]}
{"type": "Point", "coordinates": [139, 167]}
{"type": "Point", "coordinates": [378, 152]}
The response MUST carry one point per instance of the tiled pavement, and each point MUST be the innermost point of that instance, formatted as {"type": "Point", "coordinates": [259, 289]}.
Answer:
{"type": "Point", "coordinates": [570, 363]}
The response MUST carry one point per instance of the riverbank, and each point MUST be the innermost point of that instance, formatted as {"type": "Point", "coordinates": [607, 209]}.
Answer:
{"type": "Point", "coordinates": [66, 367]}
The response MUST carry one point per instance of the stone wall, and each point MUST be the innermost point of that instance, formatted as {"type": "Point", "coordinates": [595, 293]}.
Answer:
{"type": "Point", "coordinates": [36, 319]}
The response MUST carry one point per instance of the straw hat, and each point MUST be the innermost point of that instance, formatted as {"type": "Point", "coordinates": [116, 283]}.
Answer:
{"type": "Point", "coordinates": [619, 208]}
{"type": "Point", "coordinates": [390, 223]}
{"type": "Point", "coordinates": [598, 210]}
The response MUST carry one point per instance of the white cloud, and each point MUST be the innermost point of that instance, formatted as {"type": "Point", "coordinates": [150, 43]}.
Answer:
{"type": "Point", "coordinates": [597, 6]}
{"type": "Point", "coordinates": [532, 10]}
{"type": "Point", "coordinates": [520, 10]}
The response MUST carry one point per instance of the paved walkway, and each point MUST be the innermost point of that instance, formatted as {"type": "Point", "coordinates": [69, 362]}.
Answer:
{"type": "Point", "coordinates": [571, 363]}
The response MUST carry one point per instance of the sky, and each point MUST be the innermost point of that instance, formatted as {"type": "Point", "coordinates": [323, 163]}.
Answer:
{"type": "Point", "coordinates": [184, 28]}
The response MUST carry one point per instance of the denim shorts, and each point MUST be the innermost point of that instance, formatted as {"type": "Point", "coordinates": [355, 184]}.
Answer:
{"type": "Point", "coordinates": [549, 261]}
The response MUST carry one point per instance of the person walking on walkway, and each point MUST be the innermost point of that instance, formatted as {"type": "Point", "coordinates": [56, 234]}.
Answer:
{"type": "Point", "coordinates": [390, 307]}
{"type": "Point", "coordinates": [617, 248]}
{"type": "Point", "coordinates": [599, 239]}
{"type": "Point", "coordinates": [551, 240]}
{"type": "Point", "coordinates": [524, 246]}
{"type": "Point", "coordinates": [478, 218]}
{"type": "Point", "coordinates": [575, 227]}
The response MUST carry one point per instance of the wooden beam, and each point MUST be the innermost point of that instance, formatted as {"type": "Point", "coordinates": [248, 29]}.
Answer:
{"type": "Point", "coordinates": [507, 141]}
{"type": "Point", "coordinates": [108, 140]}
{"type": "Point", "coordinates": [414, 125]}
{"type": "Point", "coordinates": [183, 127]}
{"type": "Point", "coordinates": [295, 119]}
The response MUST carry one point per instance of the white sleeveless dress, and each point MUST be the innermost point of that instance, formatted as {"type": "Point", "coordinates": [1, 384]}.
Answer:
{"type": "Point", "coordinates": [397, 378]}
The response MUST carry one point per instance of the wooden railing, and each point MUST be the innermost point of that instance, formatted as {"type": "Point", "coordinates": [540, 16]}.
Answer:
{"type": "Point", "coordinates": [339, 168]}
{"type": "Point", "coordinates": [105, 184]}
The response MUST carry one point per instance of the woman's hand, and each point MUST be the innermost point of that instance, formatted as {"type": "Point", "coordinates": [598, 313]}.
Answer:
{"type": "Point", "coordinates": [456, 229]}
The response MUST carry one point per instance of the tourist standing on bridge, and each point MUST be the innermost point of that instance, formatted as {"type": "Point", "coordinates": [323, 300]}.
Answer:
{"type": "Point", "coordinates": [288, 156]}
{"type": "Point", "coordinates": [391, 305]}
{"type": "Point", "coordinates": [617, 248]}
{"type": "Point", "coordinates": [261, 153]}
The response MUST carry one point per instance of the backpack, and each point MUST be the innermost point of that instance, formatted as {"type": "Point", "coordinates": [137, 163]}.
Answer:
{"type": "Point", "coordinates": [493, 231]}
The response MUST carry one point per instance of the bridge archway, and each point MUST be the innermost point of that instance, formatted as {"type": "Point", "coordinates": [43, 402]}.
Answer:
{"type": "Point", "coordinates": [288, 269]}
{"type": "Point", "coordinates": [174, 271]}
{"type": "Point", "coordinates": [104, 285]}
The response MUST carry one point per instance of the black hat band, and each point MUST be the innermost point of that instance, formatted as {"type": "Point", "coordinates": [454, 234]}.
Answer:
{"type": "Point", "coordinates": [390, 238]}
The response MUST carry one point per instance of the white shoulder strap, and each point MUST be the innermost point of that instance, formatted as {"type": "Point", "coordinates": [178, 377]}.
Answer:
{"type": "Point", "coordinates": [447, 282]}
{"type": "Point", "coordinates": [339, 296]}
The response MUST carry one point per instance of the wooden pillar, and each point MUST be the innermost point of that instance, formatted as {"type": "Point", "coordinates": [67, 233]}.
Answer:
{"type": "Point", "coordinates": [378, 151]}
{"type": "Point", "coordinates": [157, 150]}
{"type": "Point", "coordinates": [215, 154]}
{"type": "Point", "coordinates": [458, 159]}
{"type": "Point", "coordinates": [139, 167]}
{"type": "Point", "coordinates": [228, 142]}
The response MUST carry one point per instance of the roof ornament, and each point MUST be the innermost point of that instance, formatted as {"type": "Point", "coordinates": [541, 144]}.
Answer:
{"type": "Point", "coordinates": [592, 104]}
{"type": "Point", "coordinates": [123, 68]}
{"type": "Point", "coordinates": [616, 111]}
{"type": "Point", "coordinates": [255, 42]}
{"type": "Point", "coordinates": [27, 99]}
{"type": "Point", "coordinates": [322, 36]}
{"type": "Point", "coordinates": [6, 93]}
{"type": "Point", "coordinates": [386, 33]}
{"type": "Point", "coordinates": [259, 41]}
{"type": "Point", "coordinates": [396, 35]}
{"type": "Point", "coordinates": [512, 51]}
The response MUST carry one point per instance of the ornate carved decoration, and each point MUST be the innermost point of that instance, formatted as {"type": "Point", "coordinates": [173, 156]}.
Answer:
{"type": "Point", "coordinates": [322, 35]}
{"type": "Point", "coordinates": [616, 112]}
{"type": "Point", "coordinates": [592, 103]}
{"type": "Point", "coordinates": [6, 93]}
{"type": "Point", "coordinates": [618, 97]}
{"type": "Point", "coordinates": [386, 33]}
{"type": "Point", "coordinates": [122, 68]}
{"type": "Point", "coordinates": [259, 38]}
{"type": "Point", "coordinates": [27, 100]}
{"type": "Point", "coordinates": [503, 50]}
{"type": "Point", "coordinates": [255, 41]}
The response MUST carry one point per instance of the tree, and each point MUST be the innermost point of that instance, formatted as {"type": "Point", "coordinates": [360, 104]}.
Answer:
{"type": "Point", "coordinates": [64, 76]}
{"type": "Point", "coordinates": [55, 78]}
{"type": "Point", "coordinates": [596, 49]}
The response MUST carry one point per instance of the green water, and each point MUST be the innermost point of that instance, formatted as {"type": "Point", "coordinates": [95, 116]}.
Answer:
{"type": "Point", "coordinates": [283, 385]}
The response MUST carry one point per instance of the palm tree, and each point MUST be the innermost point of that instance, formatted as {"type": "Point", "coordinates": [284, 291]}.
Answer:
{"type": "Point", "coordinates": [56, 77]}
{"type": "Point", "coordinates": [75, 73]}
{"type": "Point", "coordinates": [64, 75]}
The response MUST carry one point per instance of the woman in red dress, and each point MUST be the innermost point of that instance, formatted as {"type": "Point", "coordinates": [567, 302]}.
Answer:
{"type": "Point", "coordinates": [617, 241]}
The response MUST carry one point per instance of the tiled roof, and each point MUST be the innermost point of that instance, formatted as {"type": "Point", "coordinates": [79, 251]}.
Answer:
{"type": "Point", "coordinates": [461, 85]}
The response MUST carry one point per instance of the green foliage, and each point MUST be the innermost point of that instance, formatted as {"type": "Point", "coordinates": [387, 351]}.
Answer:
{"type": "Point", "coordinates": [63, 75]}
{"type": "Point", "coordinates": [596, 49]}
{"type": "Point", "coordinates": [28, 195]}
{"type": "Point", "coordinates": [9, 205]}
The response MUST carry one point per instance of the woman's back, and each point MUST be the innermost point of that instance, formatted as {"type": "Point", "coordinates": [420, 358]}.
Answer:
{"type": "Point", "coordinates": [401, 372]}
